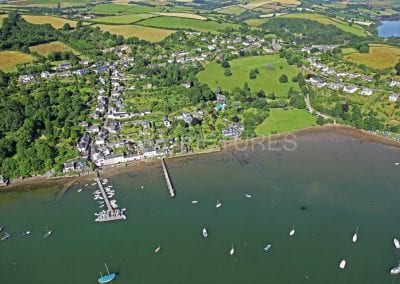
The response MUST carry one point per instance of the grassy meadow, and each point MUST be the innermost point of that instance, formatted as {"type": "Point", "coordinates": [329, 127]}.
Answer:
{"type": "Point", "coordinates": [55, 46]}
{"type": "Point", "coordinates": [183, 15]}
{"type": "Point", "coordinates": [344, 26]}
{"type": "Point", "coordinates": [2, 16]}
{"type": "Point", "coordinates": [10, 59]}
{"type": "Point", "coordinates": [280, 121]}
{"type": "Point", "coordinates": [145, 33]}
{"type": "Point", "coordinates": [379, 56]}
{"type": "Point", "coordinates": [183, 23]}
{"type": "Point", "coordinates": [125, 9]}
{"type": "Point", "coordinates": [57, 23]}
{"type": "Point", "coordinates": [123, 19]}
{"type": "Point", "coordinates": [271, 67]}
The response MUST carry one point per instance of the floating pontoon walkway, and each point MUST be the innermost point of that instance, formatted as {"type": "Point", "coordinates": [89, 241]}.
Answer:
{"type": "Point", "coordinates": [111, 214]}
{"type": "Point", "coordinates": [167, 179]}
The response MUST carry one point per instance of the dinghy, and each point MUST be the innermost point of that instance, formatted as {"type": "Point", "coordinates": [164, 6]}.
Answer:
{"type": "Point", "coordinates": [342, 264]}
{"type": "Point", "coordinates": [355, 237]}
{"type": "Point", "coordinates": [219, 204]}
{"type": "Point", "coordinates": [205, 233]}
{"type": "Point", "coordinates": [232, 251]}
{"type": "Point", "coordinates": [157, 250]}
{"type": "Point", "coordinates": [396, 243]}
{"type": "Point", "coordinates": [107, 278]}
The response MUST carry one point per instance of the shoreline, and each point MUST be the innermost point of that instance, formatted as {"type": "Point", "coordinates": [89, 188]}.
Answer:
{"type": "Point", "coordinates": [66, 182]}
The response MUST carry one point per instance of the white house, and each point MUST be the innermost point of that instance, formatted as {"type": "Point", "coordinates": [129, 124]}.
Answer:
{"type": "Point", "coordinates": [367, 92]}
{"type": "Point", "coordinates": [350, 89]}
{"type": "Point", "coordinates": [393, 97]}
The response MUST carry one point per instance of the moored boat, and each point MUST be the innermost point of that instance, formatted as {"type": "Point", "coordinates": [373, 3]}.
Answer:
{"type": "Point", "coordinates": [6, 236]}
{"type": "Point", "coordinates": [158, 248]}
{"type": "Point", "coordinates": [267, 247]}
{"type": "Point", "coordinates": [219, 204]}
{"type": "Point", "coordinates": [355, 237]}
{"type": "Point", "coordinates": [205, 233]}
{"type": "Point", "coordinates": [232, 251]}
{"type": "Point", "coordinates": [48, 233]}
{"type": "Point", "coordinates": [395, 270]}
{"type": "Point", "coordinates": [107, 278]}
{"type": "Point", "coordinates": [396, 243]}
{"type": "Point", "coordinates": [194, 202]}
{"type": "Point", "coordinates": [342, 264]}
{"type": "Point", "coordinates": [248, 195]}
{"type": "Point", "coordinates": [292, 232]}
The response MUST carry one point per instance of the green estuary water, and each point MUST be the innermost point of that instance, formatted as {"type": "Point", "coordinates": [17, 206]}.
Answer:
{"type": "Point", "coordinates": [326, 188]}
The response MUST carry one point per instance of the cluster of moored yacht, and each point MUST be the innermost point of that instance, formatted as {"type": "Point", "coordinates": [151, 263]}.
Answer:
{"type": "Point", "coordinates": [27, 233]}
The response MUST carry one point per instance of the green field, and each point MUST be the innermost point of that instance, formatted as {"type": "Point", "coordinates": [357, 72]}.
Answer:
{"type": "Point", "coordinates": [125, 9]}
{"type": "Point", "coordinates": [189, 24]}
{"type": "Point", "coordinates": [50, 3]}
{"type": "Point", "coordinates": [55, 46]}
{"type": "Point", "coordinates": [145, 33]}
{"type": "Point", "coordinates": [2, 16]}
{"type": "Point", "coordinates": [344, 26]}
{"type": "Point", "coordinates": [269, 67]}
{"type": "Point", "coordinates": [280, 121]}
{"type": "Point", "coordinates": [123, 19]}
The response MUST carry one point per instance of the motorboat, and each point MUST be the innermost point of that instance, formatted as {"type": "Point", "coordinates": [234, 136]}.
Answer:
{"type": "Point", "coordinates": [292, 232]}
{"type": "Point", "coordinates": [48, 233]}
{"type": "Point", "coordinates": [205, 233]}
{"type": "Point", "coordinates": [27, 233]}
{"type": "Point", "coordinates": [267, 247]}
{"type": "Point", "coordinates": [79, 190]}
{"type": "Point", "coordinates": [107, 278]}
{"type": "Point", "coordinates": [396, 243]}
{"type": "Point", "coordinates": [232, 251]}
{"type": "Point", "coordinates": [158, 248]}
{"type": "Point", "coordinates": [342, 264]}
{"type": "Point", "coordinates": [248, 195]}
{"type": "Point", "coordinates": [395, 270]}
{"type": "Point", "coordinates": [194, 202]}
{"type": "Point", "coordinates": [1, 228]}
{"type": "Point", "coordinates": [355, 237]}
{"type": "Point", "coordinates": [219, 204]}
{"type": "Point", "coordinates": [6, 236]}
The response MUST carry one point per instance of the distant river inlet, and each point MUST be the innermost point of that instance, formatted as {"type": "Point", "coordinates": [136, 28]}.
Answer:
{"type": "Point", "coordinates": [326, 188]}
{"type": "Point", "coordinates": [389, 29]}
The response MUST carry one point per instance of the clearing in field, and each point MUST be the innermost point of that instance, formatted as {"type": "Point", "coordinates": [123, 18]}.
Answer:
{"type": "Point", "coordinates": [344, 26]}
{"type": "Point", "coordinates": [10, 59]}
{"type": "Point", "coordinates": [270, 67]}
{"type": "Point", "coordinates": [57, 23]}
{"type": "Point", "coordinates": [145, 33]}
{"type": "Point", "coordinates": [183, 15]}
{"type": "Point", "coordinates": [2, 16]}
{"type": "Point", "coordinates": [125, 9]}
{"type": "Point", "coordinates": [187, 24]}
{"type": "Point", "coordinates": [55, 46]}
{"type": "Point", "coordinates": [379, 56]}
{"type": "Point", "coordinates": [254, 4]}
{"type": "Point", "coordinates": [280, 121]}
{"type": "Point", "coordinates": [123, 19]}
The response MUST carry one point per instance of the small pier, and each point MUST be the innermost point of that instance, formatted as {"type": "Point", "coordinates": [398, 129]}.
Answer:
{"type": "Point", "coordinates": [111, 214]}
{"type": "Point", "coordinates": [167, 179]}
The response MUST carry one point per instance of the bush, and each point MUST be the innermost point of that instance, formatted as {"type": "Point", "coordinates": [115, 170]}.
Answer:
{"type": "Point", "coordinates": [283, 78]}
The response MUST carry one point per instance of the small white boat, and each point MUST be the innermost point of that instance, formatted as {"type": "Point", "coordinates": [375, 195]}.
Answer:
{"type": "Point", "coordinates": [396, 243]}
{"type": "Point", "coordinates": [6, 236]}
{"type": "Point", "coordinates": [291, 233]}
{"type": "Point", "coordinates": [342, 264]}
{"type": "Point", "coordinates": [219, 204]}
{"type": "Point", "coordinates": [79, 190]}
{"type": "Point", "coordinates": [94, 183]}
{"type": "Point", "coordinates": [142, 187]}
{"type": "Point", "coordinates": [194, 202]}
{"type": "Point", "coordinates": [48, 233]}
{"type": "Point", "coordinates": [27, 233]}
{"type": "Point", "coordinates": [395, 270]}
{"type": "Point", "coordinates": [1, 229]}
{"type": "Point", "coordinates": [397, 163]}
{"type": "Point", "coordinates": [248, 195]}
{"type": "Point", "coordinates": [232, 251]}
{"type": "Point", "coordinates": [267, 247]}
{"type": "Point", "coordinates": [355, 237]}
{"type": "Point", "coordinates": [157, 250]}
{"type": "Point", "coordinates": [86, 185]}
{"type": "Point", "coordinates": [205, 233]}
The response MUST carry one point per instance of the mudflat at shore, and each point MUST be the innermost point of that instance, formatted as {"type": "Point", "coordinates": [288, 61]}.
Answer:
{"type": "Point", "coordinates": [65, 182]}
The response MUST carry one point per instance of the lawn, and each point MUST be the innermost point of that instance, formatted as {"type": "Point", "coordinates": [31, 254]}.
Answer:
{"type": "Point", "coordinates": [379, 56]}
{"type": "Point", "coordinates": [126, 9]}
{"type": "Point", "coordinates": [232, 10]}
{"type": "Point", "coordinates": [280, 121]}
{"type": "Point", "coordinates": [46, 48]}
{"type": "Point", "coordinates": [344, 26]}
{"type": "Point", "coordinates": [188, 24]}
{"type": "Point", "coordinates": [10, 59]}
{"type": "Point", "coordinates": [145, 33]}
{"type": "Point", "coordinates": [269, 67]}
{"type": "Point", "coordinates": [57, 23]}
{"type": "Point", "coordinates": [123, 19]}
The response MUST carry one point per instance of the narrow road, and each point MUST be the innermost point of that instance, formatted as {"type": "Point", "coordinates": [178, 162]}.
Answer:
{"type": "Point", "coordinates": [310, 109]}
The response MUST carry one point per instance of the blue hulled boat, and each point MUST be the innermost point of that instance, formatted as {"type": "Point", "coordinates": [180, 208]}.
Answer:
{"type": "Point", "coordinates": [107, 278]}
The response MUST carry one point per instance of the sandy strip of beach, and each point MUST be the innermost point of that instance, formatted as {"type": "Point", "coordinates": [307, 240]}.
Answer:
{"type": "Point", "coordinates": [139, 166]}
